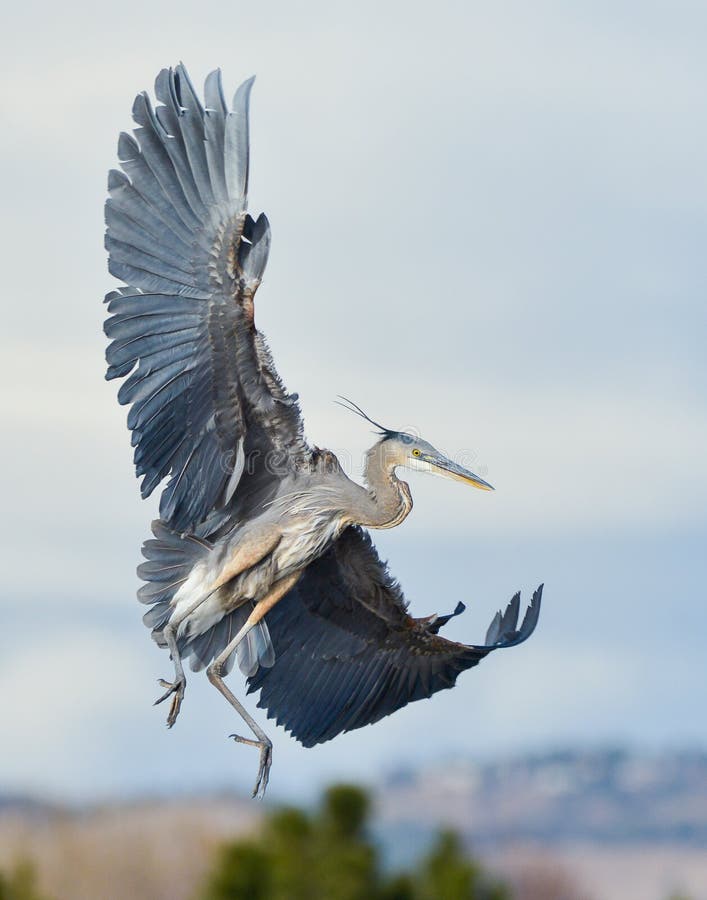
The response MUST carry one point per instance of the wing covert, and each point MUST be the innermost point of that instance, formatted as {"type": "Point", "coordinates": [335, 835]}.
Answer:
{"type": "Point", "coordinates": [202, 389]}
{"type": "Point", "coordinates": [348, 653]}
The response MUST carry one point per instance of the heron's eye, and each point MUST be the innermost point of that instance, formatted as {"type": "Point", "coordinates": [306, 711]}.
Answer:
{"type": "Point", "coordinates": [415, 452]}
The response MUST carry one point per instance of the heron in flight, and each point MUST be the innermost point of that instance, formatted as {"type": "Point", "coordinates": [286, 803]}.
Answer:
{"type": "Point", "coordinates": [261, 554]}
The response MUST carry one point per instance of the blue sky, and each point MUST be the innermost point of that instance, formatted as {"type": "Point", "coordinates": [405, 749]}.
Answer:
{"type": "Point", "coordinates": [488, 225]}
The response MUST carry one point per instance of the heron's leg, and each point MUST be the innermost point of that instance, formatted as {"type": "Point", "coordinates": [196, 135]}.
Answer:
{"type": "Point", "coordinates": [175, 689]}
{"type": "Point", "coordinates": [258, 544]}
{"type": "Point", "coordinates": [214, 673]}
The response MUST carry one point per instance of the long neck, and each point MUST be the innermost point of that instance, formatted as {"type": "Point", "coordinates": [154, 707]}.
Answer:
{"type": "Point", "coordinates": [388, 499]}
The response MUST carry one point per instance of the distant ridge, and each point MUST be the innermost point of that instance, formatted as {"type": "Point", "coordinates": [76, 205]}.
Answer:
{"type": "Point", "coordinates": [608, 796]}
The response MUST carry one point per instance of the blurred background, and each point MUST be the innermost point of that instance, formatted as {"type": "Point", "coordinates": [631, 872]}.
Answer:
{"type": "Point", "coordinates": [489, 224]}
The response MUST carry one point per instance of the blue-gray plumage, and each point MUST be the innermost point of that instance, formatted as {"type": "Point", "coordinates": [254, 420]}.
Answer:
{"type": "Point", "coordinates": [261, 553]}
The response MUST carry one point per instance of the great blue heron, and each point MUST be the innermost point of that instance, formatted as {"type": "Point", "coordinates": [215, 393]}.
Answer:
{"type": "Point", "coordinates": [261, 552]}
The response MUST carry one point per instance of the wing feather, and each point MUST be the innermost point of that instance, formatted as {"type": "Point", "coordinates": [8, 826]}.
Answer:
{"type": "Point", "coordinates": [199, 378]}
{"type": "Point", "coordinates": [348, 653]}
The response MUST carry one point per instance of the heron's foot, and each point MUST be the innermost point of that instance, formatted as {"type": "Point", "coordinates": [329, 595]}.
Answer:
{"type": "Point", "coordinates": [175, 689]}
{"type": "Point", "coordinates": [265, 748]}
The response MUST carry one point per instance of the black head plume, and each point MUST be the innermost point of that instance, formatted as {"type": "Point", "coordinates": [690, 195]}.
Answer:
{"type": "Point", "coordinates": [356, 409]}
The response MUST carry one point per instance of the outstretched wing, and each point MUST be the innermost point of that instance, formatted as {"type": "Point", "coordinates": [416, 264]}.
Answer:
{"type": "Point", "coordinates": [204, 396]}
{"type": "Point", "coordinates": [348, 653]}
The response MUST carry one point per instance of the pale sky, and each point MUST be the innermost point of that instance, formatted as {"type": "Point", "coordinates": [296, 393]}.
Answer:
{"type": "Point", "coordinates": [489, 224]}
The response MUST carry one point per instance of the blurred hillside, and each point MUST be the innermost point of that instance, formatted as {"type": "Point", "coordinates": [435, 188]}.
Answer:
{"type": "Point", "coordinates": [146, 850]}
{"type": "Point", "coordinates": [602, 796]}
{"type": "Point", "coordinates": [561, 826]}
{"type": "Point", "coordinates": [621, 825]}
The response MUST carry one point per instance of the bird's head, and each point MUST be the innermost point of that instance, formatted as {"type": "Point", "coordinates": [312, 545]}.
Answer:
{"type": "Point", "coordinates": [403, 449]}
{"type": "Point", "coordinates": [407, 450]}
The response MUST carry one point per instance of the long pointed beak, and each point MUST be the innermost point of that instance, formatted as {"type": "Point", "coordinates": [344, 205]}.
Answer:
{"type": "Point", "coordinates": [450, 469]}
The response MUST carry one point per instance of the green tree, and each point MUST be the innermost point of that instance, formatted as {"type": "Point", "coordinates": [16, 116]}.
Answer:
{"type": "Point", "coordinates": [399, 887]}
{"type": "Point", "coordinates": [20, 883]}
{"type": "Point", "coordinates": [345, 811]}
{"type": "Point", "coordinates": [449, 874]}
{"type": "Point", "coordinates": [346, 859]}
{"type": "Point", "coordinates": [289, 835]}
{"type": "Point", "coordinates": [329, 855]}
{"type": "Point", "coordinates": [242, 872]}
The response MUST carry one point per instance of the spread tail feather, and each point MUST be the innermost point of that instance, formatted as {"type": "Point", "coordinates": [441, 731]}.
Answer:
{"type": "Point", "coordinates": [170, 558]}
